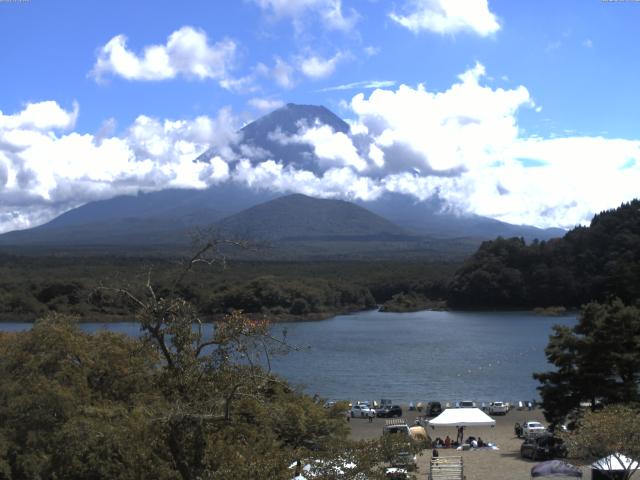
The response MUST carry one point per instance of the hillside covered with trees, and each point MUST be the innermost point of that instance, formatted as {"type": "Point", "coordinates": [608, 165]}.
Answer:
{"type": "Point", "coordinates": [588, 264]}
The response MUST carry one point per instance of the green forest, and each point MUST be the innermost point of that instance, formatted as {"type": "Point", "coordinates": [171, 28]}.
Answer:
{"type": "Point", "coordinates": [31, 286]}
{"type": "Point", "coordinates": [593, 263]}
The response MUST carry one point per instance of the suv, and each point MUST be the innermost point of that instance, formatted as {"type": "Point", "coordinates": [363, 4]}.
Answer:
{"type": "Point", "coordinates": [543, 447]}
{"type": "Point", "coordinates": [466, 404]}
{"type": "Point", "coordinates": [389, 412]}
{"type": "Point", "coordinates": [498, 408]}
{"type": "Point", "coordinates": [395, 426]}
{"type": "Point", "coordinates": [433, 409]}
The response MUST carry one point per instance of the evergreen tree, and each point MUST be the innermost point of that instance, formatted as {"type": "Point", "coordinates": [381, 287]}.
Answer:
{"type": "Point", "coordinates": [597, 361]}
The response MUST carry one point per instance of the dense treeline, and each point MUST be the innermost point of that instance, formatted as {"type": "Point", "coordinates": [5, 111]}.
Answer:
{"type": "Point", "coordinates": [588, 263]}
{"type": "Point", "coordinates": [32, 286]}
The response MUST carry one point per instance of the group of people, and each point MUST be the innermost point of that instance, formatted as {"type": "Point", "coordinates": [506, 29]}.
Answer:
{"type": "Point", "coordinates": [448, 443]}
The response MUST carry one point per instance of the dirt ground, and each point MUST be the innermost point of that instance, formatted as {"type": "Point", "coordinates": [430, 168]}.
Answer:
{"type": "Point", "coordinates": [481, 464]}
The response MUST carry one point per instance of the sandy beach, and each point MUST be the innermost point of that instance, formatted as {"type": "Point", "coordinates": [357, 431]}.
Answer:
{"type": "Point", "coordinates": [481, 464]}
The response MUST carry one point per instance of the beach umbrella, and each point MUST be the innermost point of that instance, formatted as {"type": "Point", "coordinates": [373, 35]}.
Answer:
{"type": "Point", "coordinates": [555, 468]}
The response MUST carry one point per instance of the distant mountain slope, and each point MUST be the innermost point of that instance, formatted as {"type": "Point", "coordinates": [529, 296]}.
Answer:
{"type": "Point", "coordinates": [301, 217]}
{"type": "Point", "coordinates": [165, 217]}
{"type": "Point", "coordinates": [431, 218]}
{"type": "Point", "coordinates": [189, 205]}
{"type": "Point", "coordinates": [158, 218]}
{"type": "Point", "coordinates": [588, 263]}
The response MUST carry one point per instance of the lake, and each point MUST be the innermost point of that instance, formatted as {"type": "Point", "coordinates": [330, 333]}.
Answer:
{"type": "Point", "coordinates": [446, 356]}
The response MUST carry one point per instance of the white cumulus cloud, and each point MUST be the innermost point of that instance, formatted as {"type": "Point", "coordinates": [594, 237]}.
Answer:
{"type": "Point", "coordinates": [40, 116]}
{"type": "Point", "coordinates": [464, 145]}
{"type": "Point", "coordinates": [330, 12]}
{"type": "Point", "coordinates": [187, 53]}
{"type": "Point", "coordinates": [265, 104]}
{"type": "Point", "coordinates": [317, 67]}
{"type": "Point", "coordinates": [331, 148]}
{"type": "Point", "coordinates": [332, 183]}
{"type": "Point", "coordinates": [46, 170]}
{"type": "Point", "coordinates": [448, 17]}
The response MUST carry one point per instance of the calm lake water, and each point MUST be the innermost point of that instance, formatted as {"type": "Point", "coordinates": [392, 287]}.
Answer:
{"type": "Point", "coordinates": [446, 356]}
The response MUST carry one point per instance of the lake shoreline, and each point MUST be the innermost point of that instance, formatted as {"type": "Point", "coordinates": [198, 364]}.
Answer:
{"type": "Point", "coordinates": [435, 306]}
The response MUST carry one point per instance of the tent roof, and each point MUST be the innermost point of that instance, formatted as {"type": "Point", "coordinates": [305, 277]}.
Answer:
{"type": "Point", "coordinates": [615, 461]}
{"type": "Point", "coordinates": [553, 468]}
{"type": "Point", "coordinates": [462, 417]}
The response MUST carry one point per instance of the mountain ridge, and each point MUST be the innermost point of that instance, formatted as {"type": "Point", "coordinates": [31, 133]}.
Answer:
{"type": "Point", "coordinates": [298, 216]}
{"type": "Point", "coordinates": [164, 217]}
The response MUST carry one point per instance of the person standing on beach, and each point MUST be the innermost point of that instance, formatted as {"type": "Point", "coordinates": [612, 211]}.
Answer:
{"type": "Point", "coordinates": [370, 415]}
{"type": "Point", "coordinates": [460, 436]}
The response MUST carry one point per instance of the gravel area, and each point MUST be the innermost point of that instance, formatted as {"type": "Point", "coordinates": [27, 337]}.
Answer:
{"type": "Point", "coordinates": [481, 464]}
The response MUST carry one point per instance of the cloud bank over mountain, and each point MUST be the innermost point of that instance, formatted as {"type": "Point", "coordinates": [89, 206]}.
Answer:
{"type": "Point", "coordinates": [462, 144]}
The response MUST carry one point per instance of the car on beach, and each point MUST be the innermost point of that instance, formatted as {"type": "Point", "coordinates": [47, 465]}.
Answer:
{"type": "Point", "coordinates": [433, 409]}
{"type": "Point", "coordinates": [498, 408]}
{"type": "Point", "coordinates": [389, 411]}
{"type": "Point", "coordinates": [533, 428]}
{"type": "Point", "coordinates": [396, 426]}
{"type": "Point", "coordinates": [466, 404]}
{"type": "Point", "coordinates": [545, 446]}
{"type": "Point", "coordinates": [362, 410]}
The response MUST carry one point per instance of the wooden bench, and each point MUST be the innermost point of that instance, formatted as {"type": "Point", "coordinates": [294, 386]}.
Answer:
{"type": "Point", "coordinates": [446, 468]}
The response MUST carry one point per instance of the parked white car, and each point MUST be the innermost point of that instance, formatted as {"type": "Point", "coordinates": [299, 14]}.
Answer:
{"type": "Point", "coordinates": [362, 410]}
{"type": "Point", "coordinates": [532, 428]}
{"type": "Point", "coordinates": [466, 404]}
{"type": "Point", "coordinates": [498, 408]}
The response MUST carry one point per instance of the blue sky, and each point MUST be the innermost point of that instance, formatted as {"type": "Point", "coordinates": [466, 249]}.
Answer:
{"type": "Point", "coordinates": [83, 65]}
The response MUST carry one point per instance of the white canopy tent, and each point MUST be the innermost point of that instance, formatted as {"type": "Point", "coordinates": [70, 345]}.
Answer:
{"type": "Point", "coordinates": [615, 461]}
{"type": "Point", "coordinates": [462, 417]}
{"type": "Point", "coordinates": [614, 467]}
